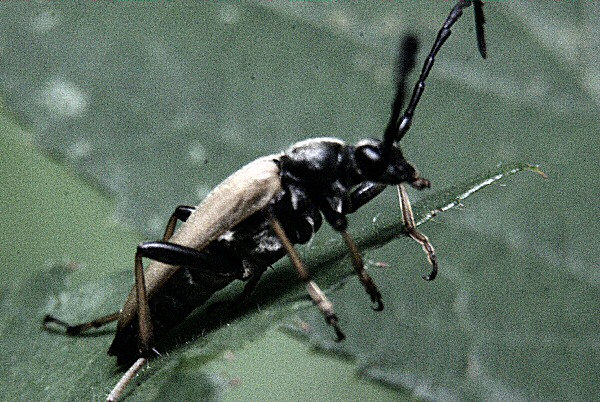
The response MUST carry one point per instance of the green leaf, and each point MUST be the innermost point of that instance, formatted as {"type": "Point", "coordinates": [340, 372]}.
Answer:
{"type": "Point", "coordinates": [77, 368]}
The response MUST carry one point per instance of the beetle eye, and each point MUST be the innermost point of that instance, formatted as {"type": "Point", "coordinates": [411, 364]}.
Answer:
{"type": "Point", "coordinates": [369, 161]}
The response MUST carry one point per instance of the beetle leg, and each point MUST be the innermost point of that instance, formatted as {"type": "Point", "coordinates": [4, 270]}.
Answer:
{"type": "Point", "coordinates": [144, 328]}
{"type": "Point", "coordinates": [362, 194]}
{"type": "Point", "coordinates": [168, 253]}
{"type": "Point", "coordinates": [181, 213]}
{"type": "Point", "coordinates": [411, 230]}
{"type": "Point", "coordinates": [79, 328]}
{"type": "Point", "coordinates": [364, 277]}
{"type": "Point", "coordinates": [248, 289]}
{"type": "Point", "coordinates": [144, 321]}
{"type": "Point", "coordinates": [339, 223]}
{"type": "Point", "coordinates": [314, 291]}
{"type": "Point", "coordinates": [129, 375]}
{"type": "Point", "coordinates": [175, 254]}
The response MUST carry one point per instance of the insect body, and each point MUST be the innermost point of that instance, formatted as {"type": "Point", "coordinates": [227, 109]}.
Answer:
{"type": "Point", "coordinates": [255, 217]}
{"type": "Point", "coordinates": [314, 177]}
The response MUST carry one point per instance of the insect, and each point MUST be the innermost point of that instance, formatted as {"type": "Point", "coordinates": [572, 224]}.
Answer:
{"type": "Point", "coordinates": [254, 218]}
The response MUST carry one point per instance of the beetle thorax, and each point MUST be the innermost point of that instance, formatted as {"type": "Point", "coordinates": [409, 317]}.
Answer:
{"type": "Point", "coordinates": [319, 162]}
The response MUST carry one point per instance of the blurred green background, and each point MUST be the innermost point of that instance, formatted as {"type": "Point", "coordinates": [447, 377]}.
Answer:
{"type": "Point", "coordinates": [114, 113]}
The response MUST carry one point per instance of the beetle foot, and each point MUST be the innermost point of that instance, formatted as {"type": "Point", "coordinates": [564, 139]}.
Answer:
{"type": "Point", "coordinates": [420, 183]}
{"type": "Point", "coordinates": [52, 319]}
{"type": "Point", "coordinates": [432, 259]}
{"type": "Point", "coordinates": [69, 329]}
{"type": "Point", "coordinates": [333, 321]}
{"type": "Point", "coordinates": [376, 298]}
{"type": "Point", "coordinates": [432, 274]}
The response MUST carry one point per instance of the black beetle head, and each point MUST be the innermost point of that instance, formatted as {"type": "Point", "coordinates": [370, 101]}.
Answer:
{"type": "Point", "coordinates": [382, 166]}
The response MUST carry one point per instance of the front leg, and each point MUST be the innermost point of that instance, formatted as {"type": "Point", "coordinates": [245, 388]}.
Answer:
{"type": "Point", "coordinates": [362, 194]}
{"type": "Point", "coordinates": [411, 229]}
{"type": "Point", "coordinates": [366, 191]}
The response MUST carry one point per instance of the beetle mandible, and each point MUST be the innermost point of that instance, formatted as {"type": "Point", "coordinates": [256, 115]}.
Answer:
{"type": "Point", "coordinates": [254, 217]}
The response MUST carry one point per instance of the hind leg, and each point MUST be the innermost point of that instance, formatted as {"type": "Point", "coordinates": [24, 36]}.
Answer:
{"type": "Point", "coordinates": [182, 213]}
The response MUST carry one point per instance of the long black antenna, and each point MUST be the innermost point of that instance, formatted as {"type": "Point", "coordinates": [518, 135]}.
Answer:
{"type": "Point", "coordinates": [403, 124]}
{"type": "Point", "coordinates": [479, 31]}
{"type": "Point", "coordinates": [407, 58]}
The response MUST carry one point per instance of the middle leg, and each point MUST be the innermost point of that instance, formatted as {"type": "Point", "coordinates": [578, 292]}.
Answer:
{"type": "Point", "coordinates": [358, 197]}
{"type": "Point", "coordinates": [314, 291]}
{"type": "Point", "coordinates": [363, 276]}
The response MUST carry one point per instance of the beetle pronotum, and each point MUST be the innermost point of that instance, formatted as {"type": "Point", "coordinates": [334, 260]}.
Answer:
{"type": "Point", "coordinates": [254, 217]}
